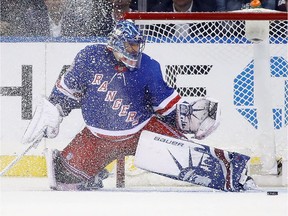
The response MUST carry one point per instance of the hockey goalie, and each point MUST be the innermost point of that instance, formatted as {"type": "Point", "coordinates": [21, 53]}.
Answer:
{"type": "Point", "coordinates": [128, 109]}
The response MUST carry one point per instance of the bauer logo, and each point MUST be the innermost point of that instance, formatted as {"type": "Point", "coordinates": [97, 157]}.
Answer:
{"type": "Point", "coordinates": [168, 141]}
{"type": "Point", "coordinates": [244, 96]}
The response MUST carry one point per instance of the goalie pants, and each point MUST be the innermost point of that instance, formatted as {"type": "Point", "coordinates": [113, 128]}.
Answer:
{"type": "Point", "coordinates": [87, 154]}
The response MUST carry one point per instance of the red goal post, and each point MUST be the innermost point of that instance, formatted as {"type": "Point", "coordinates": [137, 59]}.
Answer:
{"type": "Point", "coordinates": [216, 58]}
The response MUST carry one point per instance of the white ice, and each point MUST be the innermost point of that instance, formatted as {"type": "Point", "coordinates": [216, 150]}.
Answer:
{"type": "Point", "coordinates": [32, 196]}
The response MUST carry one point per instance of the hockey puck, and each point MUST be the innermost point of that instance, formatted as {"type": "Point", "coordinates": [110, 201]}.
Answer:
{"type": "Point", "coordinates": [273, 193]}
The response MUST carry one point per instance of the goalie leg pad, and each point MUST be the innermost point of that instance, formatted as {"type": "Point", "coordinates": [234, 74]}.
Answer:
{"type": "Point", "coordinates": [191, 162]}
{"type": "Point", "coordinates": [63, 179]}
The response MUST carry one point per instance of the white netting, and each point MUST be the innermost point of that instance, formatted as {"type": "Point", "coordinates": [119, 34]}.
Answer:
{"type": "Point", "coordinates": [230, 32]}
{"type": "Point", "coordinates": [214, 58]}
{"type": "Point", "coordinates": [209, 32]}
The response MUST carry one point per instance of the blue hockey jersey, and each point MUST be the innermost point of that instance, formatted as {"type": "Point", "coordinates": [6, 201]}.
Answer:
{"type": "Point", "coordinates": [114, 100]}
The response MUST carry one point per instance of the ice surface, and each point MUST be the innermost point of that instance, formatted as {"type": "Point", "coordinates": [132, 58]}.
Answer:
{"type": "Point", "coordinates": [32, 196]}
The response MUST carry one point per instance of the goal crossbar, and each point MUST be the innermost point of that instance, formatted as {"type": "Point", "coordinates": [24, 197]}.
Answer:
{"type": "Point", "coordinates": [237, 15]}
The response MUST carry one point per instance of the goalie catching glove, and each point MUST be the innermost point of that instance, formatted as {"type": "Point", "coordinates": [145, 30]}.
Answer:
{"type": "Point", "coordinates": [45, 122]}
{"type": "Point", "coordinates": [200, 117]}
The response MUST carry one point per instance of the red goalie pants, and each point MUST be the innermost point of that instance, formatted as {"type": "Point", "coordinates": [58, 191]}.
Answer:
{"type": "Point", "coordinates": [88, 154]}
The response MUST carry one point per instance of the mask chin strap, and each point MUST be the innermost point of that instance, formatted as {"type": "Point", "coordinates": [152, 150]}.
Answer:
{"type": "Point", "coordinates": [126, 61]}
{"type": "Point", "coordinates": [117, 55]}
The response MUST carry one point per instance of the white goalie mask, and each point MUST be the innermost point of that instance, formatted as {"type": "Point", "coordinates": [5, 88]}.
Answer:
{"type": "Point", "coordinates": [127, 43]}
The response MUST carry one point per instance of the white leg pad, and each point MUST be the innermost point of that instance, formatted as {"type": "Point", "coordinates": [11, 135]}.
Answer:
{"type": "Point", "coordinates": [191, 162]}
{"type": "Point", "coordinates": [50, 167]}
{"type": "Point", "coordinates": [154, 153]}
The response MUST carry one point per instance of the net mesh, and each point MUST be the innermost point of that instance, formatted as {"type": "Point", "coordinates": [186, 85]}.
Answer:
{"type": "Point", "coordinates": [209, 32]}
{"type": "Point", "coordinates": [221, 32]}
{"type": "Point", "coordinates": [214, 58]}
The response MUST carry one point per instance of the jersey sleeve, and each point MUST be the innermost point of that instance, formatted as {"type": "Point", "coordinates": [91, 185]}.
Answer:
{"type": "Point", "coordinates": [69, 88]}
{"type": "Point", "coordinates": [163, 97]}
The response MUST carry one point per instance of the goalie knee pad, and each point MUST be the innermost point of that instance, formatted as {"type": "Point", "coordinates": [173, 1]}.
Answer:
{"type": "Point", "coordinates": [61, 178]}
{"type": "Point", "coordinates": [62, 174]}
{"type": "Point", "coordinates": [57, 173]}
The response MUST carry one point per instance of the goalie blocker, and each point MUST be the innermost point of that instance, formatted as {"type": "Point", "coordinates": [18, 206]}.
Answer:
{"type": "Point", "coordinates": [192, 162]}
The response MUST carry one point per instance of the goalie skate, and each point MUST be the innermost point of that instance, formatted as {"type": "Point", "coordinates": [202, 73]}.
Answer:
{"type": "Point", "coordinates": [61, 179]}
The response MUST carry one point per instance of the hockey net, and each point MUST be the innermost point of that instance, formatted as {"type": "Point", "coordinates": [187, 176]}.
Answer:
{"type": "Point", "coordinates": [211, 55]}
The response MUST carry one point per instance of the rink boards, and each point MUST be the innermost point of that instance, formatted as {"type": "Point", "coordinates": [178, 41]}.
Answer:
{"type": "Point", "coordinates": [30, 69]}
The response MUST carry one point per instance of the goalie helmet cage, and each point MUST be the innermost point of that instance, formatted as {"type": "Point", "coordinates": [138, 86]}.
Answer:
{"type": "Point", "coordinates": [211, 55]}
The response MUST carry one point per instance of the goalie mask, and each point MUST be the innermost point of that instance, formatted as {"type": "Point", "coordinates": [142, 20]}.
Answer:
{"type": "Point", "coordinates": [127, 43]}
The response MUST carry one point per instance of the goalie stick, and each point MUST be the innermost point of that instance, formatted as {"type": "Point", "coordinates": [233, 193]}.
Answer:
{"type": "Point", "coordinates": [33, 145]}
